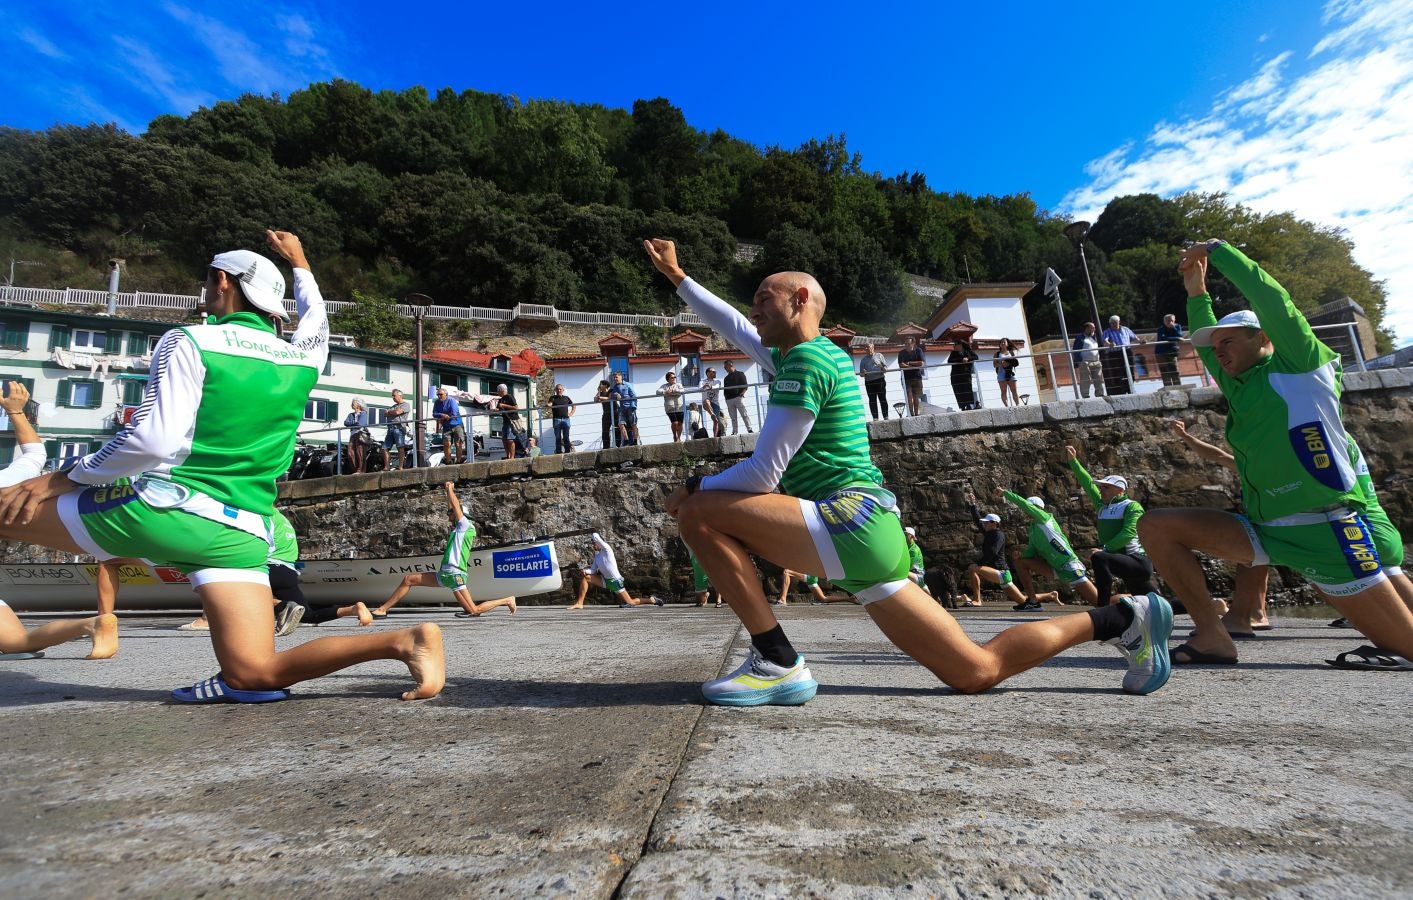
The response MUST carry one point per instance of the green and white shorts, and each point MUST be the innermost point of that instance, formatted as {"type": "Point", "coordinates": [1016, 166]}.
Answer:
{"type": "Point", "coordinates": [113, 521]}
{"type": "Point", "coordinates": [1071, 571]}
{"type": "Point", "coordinates": [1387, 540]}
{"type": "Point", "coordinates": [859, 538]}
{"type": "Point", "coordinates": [1337, 551]}
{"type": "Point", "coordinates": [452, 579]}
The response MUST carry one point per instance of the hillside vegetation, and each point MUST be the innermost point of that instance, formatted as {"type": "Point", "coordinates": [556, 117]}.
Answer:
{"type": "Point", "coordinates": [479, 199]}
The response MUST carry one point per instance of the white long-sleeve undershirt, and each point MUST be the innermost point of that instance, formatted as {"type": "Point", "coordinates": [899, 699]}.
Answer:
{"type": "Point", "coordinates": [29, 464]}
{"type": "Point", "coordinates": [782, 434]}
{"type": "Point", "coordinates": [727, 321]}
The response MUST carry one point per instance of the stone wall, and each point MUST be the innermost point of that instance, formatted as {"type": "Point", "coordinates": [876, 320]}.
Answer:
{"type": "Point", "coordinates": [928, 461]}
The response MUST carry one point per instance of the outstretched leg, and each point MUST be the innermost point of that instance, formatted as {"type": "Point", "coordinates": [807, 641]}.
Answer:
{"type": "Point", "coordinates": [102, 630]}
{"type": "Point", "coordinates": [422, 579]}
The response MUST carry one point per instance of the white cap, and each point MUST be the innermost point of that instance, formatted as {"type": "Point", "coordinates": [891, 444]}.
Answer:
{"type": "Point", "coordinates": [1242, 318]}
{"type": "Point", "coordinates": [1117, 481]}
{"type": "Point", "coordinates": [260, 280]}
{"type": "Point", "coordinates": [465, 512]}
{"type": "Point", "coordinates": [910, 531]}
{"type": "Point", "coordinates": [991, 517]}
{"type": "Point", "coordinates": [1035, 501]}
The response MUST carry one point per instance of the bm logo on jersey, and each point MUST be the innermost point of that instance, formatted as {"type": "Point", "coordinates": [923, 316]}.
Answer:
{"type": "Point", "coordinates": [1312, 448]}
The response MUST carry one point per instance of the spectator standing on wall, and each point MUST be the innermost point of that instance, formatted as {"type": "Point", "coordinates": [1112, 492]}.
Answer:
{"type": "Point", "coordinates": [912, 361]}
{"type": "Point", "coordinates": [671, 393]}
{"type": "Point", "coordinates": [397, 417]}
{"type": "Point", "coordinates": [735, 394]}
{"type": "Point", "coordinates": [447, 412]}
{"type": "Point", "coordinates": [1119, 336]}
{"type": "Point", "coordinates": [605, 400]}
{"type": "Point", "coordinates": [626, 399]}
{"type": "Point", "coordinates": [1088, 370]}
{"type": "Point", "coordinates": [711, 402]}
{"type": "Point", "coordinates": [561, 408]}
{"type": "Point", "coordinates": [1005, 363]}
{"type": "Point", "coordinates": [357, 423]}
{"type": "Point", "coordinates": [511, 432]}
{"type": "Point", "coordinates": [873, 367]}
{"type": "Point", "coordinates": [960, 360]}
{"type": "Point", "coordinates": [1169, 333]}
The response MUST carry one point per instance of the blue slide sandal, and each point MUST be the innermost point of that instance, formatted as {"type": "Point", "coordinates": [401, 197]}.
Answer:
{"type": "Point", "coordinates": [215, 690]}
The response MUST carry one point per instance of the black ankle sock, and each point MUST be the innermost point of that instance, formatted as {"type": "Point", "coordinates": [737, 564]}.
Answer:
{"type": "Point", "coordinates": [1110, 621]}
{"type": "Point", "coordinates": [775, 646]}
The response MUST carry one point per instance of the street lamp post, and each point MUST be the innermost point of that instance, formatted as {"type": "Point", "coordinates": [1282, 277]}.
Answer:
{"type": "Point", "coordinates": [419, 304]}
{"type": "Point", "coordinates": [1076, 232]}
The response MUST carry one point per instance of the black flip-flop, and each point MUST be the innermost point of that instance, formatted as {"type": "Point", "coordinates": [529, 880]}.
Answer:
{"type": "Point", "coordinates": [1196, 657]}
{"type": "Point", "coordinates": [1371, 659]}
{"type": "Point", "coordinates": [1261, 627]}
{"type": "Point", "coordinates": [1234, 635]}
{"type": "Point", "coordinates": [1340, 623]}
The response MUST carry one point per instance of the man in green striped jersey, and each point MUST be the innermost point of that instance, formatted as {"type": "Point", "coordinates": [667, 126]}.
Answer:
{"type": "Point", "coordinates": [835, 519]}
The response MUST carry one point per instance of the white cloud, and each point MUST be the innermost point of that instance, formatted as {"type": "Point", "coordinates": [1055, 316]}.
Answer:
{"type": "Point", "coordinates": [292, 61]}
{"type": "Point", "coordinates": [42, 44]}
{"type": "Point", "coordinates": [149, 74]}
{"type": "Point", "coordinates": [1333, 145]}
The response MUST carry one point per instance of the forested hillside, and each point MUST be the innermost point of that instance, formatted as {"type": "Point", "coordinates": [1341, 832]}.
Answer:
{"type": "Point", "coordinates": [478, 199]}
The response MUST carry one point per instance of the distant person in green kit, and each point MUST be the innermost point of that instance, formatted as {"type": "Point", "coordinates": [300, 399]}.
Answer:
{"type": "Point", "coordinates": [1047, 547]}
{"type": "Point", "coordinates": [1119, 552]}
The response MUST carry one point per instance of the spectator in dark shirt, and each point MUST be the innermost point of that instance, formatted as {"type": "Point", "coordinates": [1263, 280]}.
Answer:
{"type": "Point", "coordinates": [912, 360]}
{"type": "Point", "coordinates": [960, 360]}
{"type": "Point", "coordinates": [512, 435]}
{"type": "Point", "coordinates": [561, 408]}
{"type": "Point", "coordinates": [605, 400]}
{"type": "Point", "coordinates": [1169, 333]}
{"type": "Point", "coordinates": [735, 394]}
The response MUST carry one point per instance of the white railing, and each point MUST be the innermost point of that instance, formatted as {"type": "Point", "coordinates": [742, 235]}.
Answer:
{"type": "Point", "coordinates": [28, 296]}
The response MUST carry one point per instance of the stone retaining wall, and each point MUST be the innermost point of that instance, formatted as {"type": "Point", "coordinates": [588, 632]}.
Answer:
{"type": "Point", "coordinates": [927, 461]}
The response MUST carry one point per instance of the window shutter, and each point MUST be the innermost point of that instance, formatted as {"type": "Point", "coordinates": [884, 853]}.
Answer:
{"type": "Point", "coordinates": [133, 391]}
{"type": "Point", "coordinates": [58, 337]}
{"type": "Point", "coordinates": [16, 335]}
{"type": "Point", "coordinates": [137, 344]}
{"type": "Point", "coordinates": [113, 342]}
{"type": "Point", "coordinates": [65, 391]}
{"type": "Point", "coordinates": [334, 411]}
{"type": "Point", "coordinates": [51, 449]}
{"type": "Point", "coordinates": [97, 395]}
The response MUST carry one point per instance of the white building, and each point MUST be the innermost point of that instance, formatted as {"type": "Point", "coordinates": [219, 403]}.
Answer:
{"type": "Point", "coordinates": [87, 374]}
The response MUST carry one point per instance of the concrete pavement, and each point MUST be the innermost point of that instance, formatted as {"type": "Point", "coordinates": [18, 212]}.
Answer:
{"type": "Point", "coordinates": [570, 755]}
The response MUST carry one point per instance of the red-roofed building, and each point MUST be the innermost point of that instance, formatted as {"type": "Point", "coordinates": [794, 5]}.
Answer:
{"type": "Point", "coordinates": [526, 362]}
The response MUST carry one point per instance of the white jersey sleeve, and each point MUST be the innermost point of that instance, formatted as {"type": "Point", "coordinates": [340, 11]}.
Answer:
{"type": "Point", "coordinates": [29, 464]}
{"type": "Point", "coordinates": [781, 436]}
{"type": "Point", "coordinates": [160, 432]}
{"type": "Point", "coordinates": [727, 321]}
{"type": "Point", "coordinates": [312, 335]}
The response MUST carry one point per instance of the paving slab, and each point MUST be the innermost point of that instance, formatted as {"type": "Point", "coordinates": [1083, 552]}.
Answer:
{"type": "Point", "coordinates": [570, 755]}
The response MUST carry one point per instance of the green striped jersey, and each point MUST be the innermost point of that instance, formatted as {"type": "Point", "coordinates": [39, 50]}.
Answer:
{"type": "Point", "coordinates": [818, 376]}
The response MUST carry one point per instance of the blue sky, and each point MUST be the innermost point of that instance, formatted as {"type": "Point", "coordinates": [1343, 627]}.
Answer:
{"type": "Point", "coordinates": [1294, 105]}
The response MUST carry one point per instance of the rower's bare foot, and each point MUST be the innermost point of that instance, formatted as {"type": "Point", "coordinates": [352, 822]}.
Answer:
{"type": "Point", "coordinates": [1048, 597]}
{"type": "Point", "coordinates": [575, 606]}
{"type": "Point", "coordinates": [426, 660]}
{"type": "Point", "coordinates": [365, 618]}
{"type": "Point", "coordinates": [105, 637]}
{"type": "Point", "coordinates": [511, 605]}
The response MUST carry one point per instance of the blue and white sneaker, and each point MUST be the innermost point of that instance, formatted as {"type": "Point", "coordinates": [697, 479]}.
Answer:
{"type": "Point", "coordinates": [758, 682]}
{"type": "Point", "coordinates": [1145, 644]}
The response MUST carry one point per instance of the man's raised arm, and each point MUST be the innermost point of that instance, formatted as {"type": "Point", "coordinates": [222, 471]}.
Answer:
{"type": "Point", "coordinates": [719, 315]}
